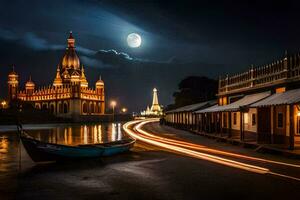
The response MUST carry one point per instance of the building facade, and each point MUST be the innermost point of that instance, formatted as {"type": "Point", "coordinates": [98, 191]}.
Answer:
{"type": "Point", "coordinates": [69, 96]}
{"type": "Point", "coordinates": [260, 105]}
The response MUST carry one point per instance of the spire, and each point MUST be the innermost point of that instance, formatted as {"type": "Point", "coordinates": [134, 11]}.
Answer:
{"type": "Point", "coordinates": [155, 106]}
{"type": "Point", "coordinates": [71, 35]}
{"type": "Point", "coordinates": [99, 82]}
{"type": "Point", "coordinates": [71, 40]}
{"type": "Point", "coordinates": [82, 72]}
{"type": "Point", "coordinates": [83, 81]}
{"type": "Point", "coordinates": [57, 81]}
{"type": "Point", "coordinates": [13, 68]}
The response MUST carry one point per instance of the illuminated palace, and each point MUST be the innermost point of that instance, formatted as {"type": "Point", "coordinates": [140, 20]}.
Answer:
{"type": "Point", "coordinates": [69, 95]}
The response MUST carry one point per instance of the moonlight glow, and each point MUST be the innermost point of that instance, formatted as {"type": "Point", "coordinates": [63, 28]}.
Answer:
{"type": "Point", "coordinates": [134, 40]}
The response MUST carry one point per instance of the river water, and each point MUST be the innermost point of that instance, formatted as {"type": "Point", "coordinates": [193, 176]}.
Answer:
{"type": "Point", "coordinates": [13, 156]}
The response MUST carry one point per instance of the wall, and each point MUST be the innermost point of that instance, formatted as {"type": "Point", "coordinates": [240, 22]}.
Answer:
{"type": "Point", "coordinates": [237, 125]}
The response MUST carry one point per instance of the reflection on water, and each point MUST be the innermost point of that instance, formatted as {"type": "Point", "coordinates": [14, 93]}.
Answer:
{"type": "Point", "coordinates": [80, 134]}
{"type": "Point", "coordinates": [60, 134]}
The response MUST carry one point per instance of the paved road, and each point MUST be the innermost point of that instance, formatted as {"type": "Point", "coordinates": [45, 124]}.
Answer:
{"type": "Point", "coordinates": [206, 150]}
{"type": "Point", "coordinates": [151, 172]}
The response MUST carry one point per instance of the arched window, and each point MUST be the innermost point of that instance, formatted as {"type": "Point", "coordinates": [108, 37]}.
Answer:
{"type": "Point", "coordinates": [38, 106]}
{"type": "Point", "coordinates": [92, 108]}
{"type": "Point", "coordinates": [84, 108]}
{"type": "Point", "coordinates": [52, 109]}
{"type": "Point", "coordinates": [60, 107]}
{"type": "Point", "coordinates": [99, 107]}
{"type": "Point", "coordinates": [66, 109]}
{"type": "Point", "coordinates": [44, 107]}
{"type": "Point", "coordinates": [96, 108]}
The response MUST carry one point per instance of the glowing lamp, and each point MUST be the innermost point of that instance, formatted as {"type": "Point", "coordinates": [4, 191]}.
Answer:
{"type": "Point", "coordinates": [3, 103]}
{"type": "Point", "coordinates": [113, 103]}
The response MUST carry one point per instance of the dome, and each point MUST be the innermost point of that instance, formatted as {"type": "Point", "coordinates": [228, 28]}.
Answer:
{"type": "Point", "coordinates": [13, 74]}
{"type": "Point", "coordinates": [70, 59]}
{"type": "Point", "coordinates": [99, 82]}
{"type": "Point", "coordinates": [29, 83]}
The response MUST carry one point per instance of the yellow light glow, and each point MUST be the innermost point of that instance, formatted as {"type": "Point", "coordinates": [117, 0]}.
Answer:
{"type": "Point", "coordinates": [246, 118]}
{"type": "Point", "coordinates": [124, 110]}
{"type": "Point", "coordinates": [3, 103]}
{"type": "Point", "coordinates": [113, 103]}
{"type": "Point", "coordinates": [134, 129]}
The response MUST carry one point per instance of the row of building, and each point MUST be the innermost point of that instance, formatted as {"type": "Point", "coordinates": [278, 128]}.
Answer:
{"type": "Point", "coordinates": [69, 96]}
{"type": "Point", "coordinates": [261, 105]}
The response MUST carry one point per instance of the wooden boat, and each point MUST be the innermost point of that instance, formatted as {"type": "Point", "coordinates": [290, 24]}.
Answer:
{"type": "Point", "coordinates": [40, 151]}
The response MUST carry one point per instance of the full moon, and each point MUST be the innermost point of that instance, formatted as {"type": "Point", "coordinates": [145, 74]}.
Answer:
{"type": "Point", "coordinates": [134, 40]}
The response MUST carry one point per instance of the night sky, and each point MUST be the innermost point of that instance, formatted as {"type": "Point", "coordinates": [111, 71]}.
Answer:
{"type": "Point", "coordinates": [179, 38]}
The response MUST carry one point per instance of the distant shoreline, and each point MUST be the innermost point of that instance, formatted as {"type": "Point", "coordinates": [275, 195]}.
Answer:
{"type": "Point", "coordinates": [39, 126]}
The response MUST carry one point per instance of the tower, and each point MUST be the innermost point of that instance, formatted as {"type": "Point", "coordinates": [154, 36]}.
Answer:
{"type": "Point", "coordinates": [13, 85]}
{"type": "Point", "coordinates": [100, 91]}
{"type": "Point", "coordinates": [57, 81]}
{"type": "Point", "coordinates": [70, 59]}
{"type": "Point", "coordinates": [83, 81]}
{"type": "Point", "coordinates": [100, 87]}
{"type": "Point", "coordinates": [155, 106]}
{"type": "Point", "coordinates": [29, 87]}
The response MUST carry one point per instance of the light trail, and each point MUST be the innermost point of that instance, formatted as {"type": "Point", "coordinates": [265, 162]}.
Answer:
{"type": "Point", "coordinates": [204, 148]}
{"type": "Point", "coordinates": [181, 147]}
{"type": "Point", "coordinates": [195, 154]}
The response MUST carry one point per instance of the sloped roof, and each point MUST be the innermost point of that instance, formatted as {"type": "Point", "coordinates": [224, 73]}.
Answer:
{"type": "Point", "coordinates": [235, 106]}
{"type": "Point", "coordinates": [193, 107]}
{"type": "Point", "coordinates": [288, 97]}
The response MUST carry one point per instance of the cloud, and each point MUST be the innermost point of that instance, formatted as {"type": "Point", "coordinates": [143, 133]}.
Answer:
{"type": "Point", "coordinates": [85, 51]}
{"type": "Point", "coordinates": [7, 35]}
{"type": "Point", "coordinates": [29, 39]}
{"type": "Point", "coordinates": [113, 58]}
{"type": "Point", "coordinates": [118, 54]}
{"type": "Point", "coordinates": [92, 62]}
{"type": "Point", "coordinates": [33, 41]}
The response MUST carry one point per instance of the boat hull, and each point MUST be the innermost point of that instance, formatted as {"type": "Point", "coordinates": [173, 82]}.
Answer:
{"type": "Point", "coordinates": [40, 151]}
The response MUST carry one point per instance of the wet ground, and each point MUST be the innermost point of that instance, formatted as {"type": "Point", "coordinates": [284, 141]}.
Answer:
{"type": "Point", "coordinates": [144, 173]}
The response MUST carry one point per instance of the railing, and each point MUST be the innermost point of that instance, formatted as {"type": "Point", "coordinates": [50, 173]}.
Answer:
{"type": "Point", "coordinates": [276, 72]}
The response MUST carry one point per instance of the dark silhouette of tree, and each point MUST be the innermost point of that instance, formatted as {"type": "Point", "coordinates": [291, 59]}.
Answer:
{"type": "Point", "coordinates": [194, 89]}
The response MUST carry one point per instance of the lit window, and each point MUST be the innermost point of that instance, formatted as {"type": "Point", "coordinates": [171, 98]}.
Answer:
{"type": "Point", "coordinates": [246, 118]}
{"type": "Point", "coordinates": [298, 123]}
{"type": "Point", "coordinates": [280, 90]}
{"type": "Point", "coordinates": [224, 100]}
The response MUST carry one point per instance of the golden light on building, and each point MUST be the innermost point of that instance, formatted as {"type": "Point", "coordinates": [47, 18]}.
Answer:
{"type": "Point", "coordinates": [69, 95]}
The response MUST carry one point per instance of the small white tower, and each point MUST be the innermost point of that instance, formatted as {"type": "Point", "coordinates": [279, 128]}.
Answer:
{"type": "Point", "coordinates": [155, 106]}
